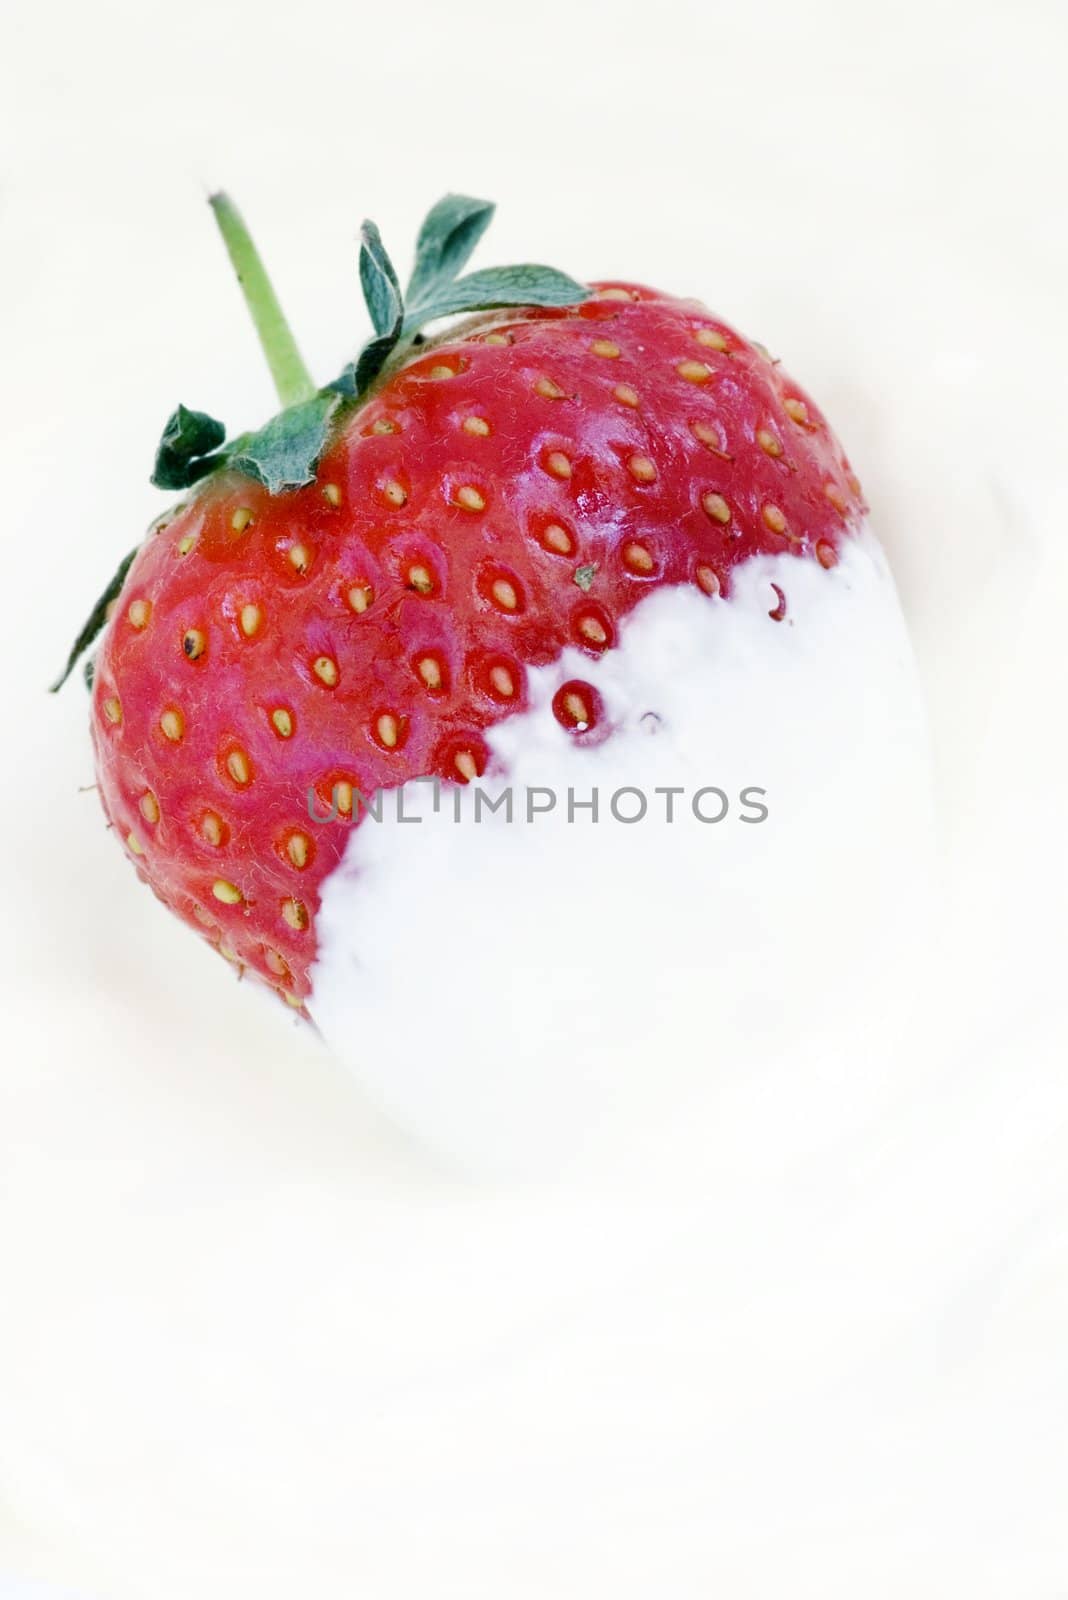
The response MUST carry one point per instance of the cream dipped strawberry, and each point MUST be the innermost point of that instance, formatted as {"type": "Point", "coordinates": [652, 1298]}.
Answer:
{"type": "Point", "coordinates": [362, 593]}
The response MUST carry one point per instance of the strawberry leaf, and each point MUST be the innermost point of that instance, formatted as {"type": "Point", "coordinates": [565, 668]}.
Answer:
{"type": "Point", "coordinates": [527, 285]}
{"type": "Point", "coordinates": [285, 453]}
{"type": "Point", "coordinates": [96, 620]}
{"type": "Point", "coordinates": [345, 382]}
{"type": "Point", "coordinates": [184, 451]}
{"type": "Point", "coordinates": [381, 289]}
{"type": "Point", "coordinates": [371, 360]}
{"type": "Point", "coordinates": [449, 234]}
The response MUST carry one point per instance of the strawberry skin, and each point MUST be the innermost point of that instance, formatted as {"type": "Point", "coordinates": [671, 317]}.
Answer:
{"type": "Point", "coordinates": [512, 489]}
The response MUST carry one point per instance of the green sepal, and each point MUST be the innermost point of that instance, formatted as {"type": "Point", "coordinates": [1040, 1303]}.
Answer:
{"type": "Point", "coordinates": [491, 290]}
{"type": "Point", "coordinates": [371, 360]}
{"type": "Point", "coordinates": [495, 287]}
{"type": "Point", "coordinates": [345, 383]}
{"type": "Point", "coordinates": [381, 288]}
{"type": "Point", "coordinates": [285, 453]}
{"type": "Point", "coordinates": [96, 619]}
{"type": "Point", "coordinates": [449, 234]}
{"type": "Point", "coordinates": [185, 449]}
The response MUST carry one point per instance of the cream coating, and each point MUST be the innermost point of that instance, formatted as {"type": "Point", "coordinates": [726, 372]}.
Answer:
{"type": "Point", "coordinates": [505, 989]}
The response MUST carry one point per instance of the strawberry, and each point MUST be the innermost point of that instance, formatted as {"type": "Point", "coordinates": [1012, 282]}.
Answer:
{"type": "Point", "coordinates": [351, 598]}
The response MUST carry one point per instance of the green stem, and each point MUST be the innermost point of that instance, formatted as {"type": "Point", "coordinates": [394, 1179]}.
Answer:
{"type": "Point", "coordinates": [291, 377]}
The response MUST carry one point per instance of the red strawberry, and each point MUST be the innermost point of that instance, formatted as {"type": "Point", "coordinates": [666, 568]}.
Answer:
{"type": "Point", "coordinates": [517, 487]}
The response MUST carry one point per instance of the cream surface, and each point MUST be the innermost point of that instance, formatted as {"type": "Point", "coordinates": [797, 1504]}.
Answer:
{"type": "Point", "coordinates": [507, 988]}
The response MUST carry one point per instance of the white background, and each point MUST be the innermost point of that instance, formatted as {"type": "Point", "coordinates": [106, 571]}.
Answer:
{"type": "Point", "coordinates": [253, 1343]}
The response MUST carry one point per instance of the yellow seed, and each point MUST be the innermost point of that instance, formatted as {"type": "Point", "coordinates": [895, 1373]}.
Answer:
{"type": "Point", "coordinates": [193, 644]}
{"type": "Point", "coordinates": [420, 579]}
{"type": "Point", "coordinates": [626, 395]}
{"type": "Point", "coordinates": [441, 372]}
{"type": "Point", "coordinates": [211, 828]}
{"type": "Point", "coordinates": [708, 436]}
{"type": "Point", "coordinates": [558, 539]}
{"type": "Point", "coordinates": [394, 492]}
{"type": "Point", "coordinates": [854, 483]}
{"type": "Point", "coordinates": [826, 554]}
{"type": "Point", "coordinates": [299, 557]}
{"type": "Point", "coordinates": [835, 496]}
{"type": "Point", "coordinates": [549, 390]}
{"type": "Point", "coordinates": [139, 613]}
{"type": "Point", "coordinates": [282, 722]}
{"type": "Point", "coordinates": [504, 594]}
{"type": "Point", "coordinates": [593, 630]}
{"type": "Point", "coordinates": [503, 682]}
{"type": "Point", "coordinates": [359, 597]}
{"type": "Point", "coordinates": [638, 558]}
{"type": "Point", "coordinates": [774, 519]}
{"type": "Point", "coordinates": [716, 507]}
{"type": "Point", "coordinates": [798, 410]}
{"type": "Point", "coordinates": [325, 669]}
{"type": "Point", "coordinates": [238, 768]}
{"type": "Point", "coordinates": [388, 731]}
{"type": "Point", "coordinates": [149, 807]}
{"type": "Point", "coordinates": [693, 371]}
{"type": "Point", "coordinates": [274, 962]}
{"type": "Point", "coordinates": [466, 765]}
{"type": "Point", "coordinates": [202, 916]}
{"type": "Point", "coordinates": [112, 709]}
{"type": "Point", "coordinates": [606, 348]}
{"type": "Point", "coordinates": [430, 672]}
{"type": "Point", "coordinates": [768, 442]}
{"type": "Point", "coordinates": [295, 913]}
{"type": "Point", "coordinates": [613, 294]}
{"type": "Point", "coordinates": [172, 724]}
{"type": "Point", "coordinates": [558, 464]}
{"type": "Point", "coordinates": [228, 953]}
{"type": "Point", "coordinates": [135, 844]}
{"type": "Point", "coordinates": [291, 999]}
{"type": "Point", "coordinates": [186, 544]}
{"type": "Point", "coordinates": [576, 708]}
{"type": "Point", "coordinates": [228, 893]}
{"type": "Point", "coordinates": [384, 425]}
{"type": "Point", "coordinates": [251, 617]}
{"type": "Point", "coordinates": [707, 580]}
{"type": "Point", "coordinates": [298, 849]}
{"type": "Point", "coordinates": [711, 339]}
{"type": "Point", "coordinates": [476, 425]}
{"type": "Point", "coordinates": [470, 498]}
{"type": "Point", "coordinates": [496, 338]}
{"type": "Point", "coordinates": [331, 494]}
{"type": "Point", "coordinates": [343, 792]}
{"type": "Point", "coordinates": [241, 519]}
{"type": "Point", "coordinates": [641, 468]}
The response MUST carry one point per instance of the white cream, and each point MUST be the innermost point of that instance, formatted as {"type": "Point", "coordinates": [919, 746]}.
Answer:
{"type": "Point", "coordinates": [505, 989]}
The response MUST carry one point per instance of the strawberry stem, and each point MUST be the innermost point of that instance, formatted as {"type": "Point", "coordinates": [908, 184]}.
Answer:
{"type": "Point", "coordinates": [291, 377]}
